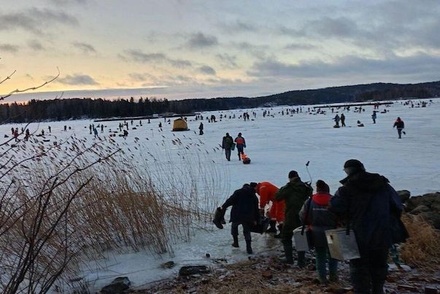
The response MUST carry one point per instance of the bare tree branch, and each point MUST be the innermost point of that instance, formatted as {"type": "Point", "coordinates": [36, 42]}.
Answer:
{"type": "Point", "coordinates": [16, 91]}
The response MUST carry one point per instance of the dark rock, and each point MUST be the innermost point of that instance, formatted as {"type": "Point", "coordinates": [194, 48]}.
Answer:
{"type": "Point", "coordinates": [193, 270]}
{"type": "Point", "coordinates": [432, 217]}
{"type": "Point", "coordinates": [419, 209]}
{"type": "Point", "coordinates": [426, 206]}
{"type": "Point", "coordinates": [404, 195]}
{"type": "Point", "coordinates": [430, 290]}
{"type": "Point", "coordinates": [412, 288]}
{"type": "Point", "coordinates": [168, 264]}
{"type": "Point", "coordinates": [117, 286]}
{"type": "Point", "coordinates": [267, 275]}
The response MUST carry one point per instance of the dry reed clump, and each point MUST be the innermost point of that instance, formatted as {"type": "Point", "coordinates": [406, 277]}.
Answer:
{"type": "Point", "coordinates": [422, 249]}
{"type": "Point", "coordinates": [76, 200]}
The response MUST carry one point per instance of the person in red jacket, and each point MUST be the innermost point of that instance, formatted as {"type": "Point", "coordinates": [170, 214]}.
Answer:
{"type": "Point", "coordinates": [267, 191]}
{"type": "Point", "coordinates": [241, 144]}
{"type": "Point", "coordinates": [318, 218]}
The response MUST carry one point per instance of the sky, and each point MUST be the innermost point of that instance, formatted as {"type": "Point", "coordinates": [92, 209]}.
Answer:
{"type": "Point", "coordinates": [178, 49]}
{"type": "Point", "coordinates": [276, 144]}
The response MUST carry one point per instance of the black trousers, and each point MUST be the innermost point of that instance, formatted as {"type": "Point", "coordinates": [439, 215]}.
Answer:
{"type": "Point", "coordinates": [369, 272]}
{"type": "Point", "coordinates": [246, 229]}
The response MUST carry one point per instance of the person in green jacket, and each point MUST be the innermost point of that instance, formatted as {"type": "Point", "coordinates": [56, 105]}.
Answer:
{"type": "Point", "coordinates": [228, 145]}
{"type": "Point", "coordinates": [294, 193]}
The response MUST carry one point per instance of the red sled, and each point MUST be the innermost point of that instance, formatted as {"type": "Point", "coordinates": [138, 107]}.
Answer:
{"type": "Point", "coordinates": [245, 159]}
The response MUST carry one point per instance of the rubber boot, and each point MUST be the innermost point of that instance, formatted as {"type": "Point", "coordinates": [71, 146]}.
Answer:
{"type": "Point", "coordinates": [280, 227]}
{"type": "Point", "coordinates": [272, 227]}
{"type": "Point", "coordinates": [288, 252]}
{"type": "Point", "coordinates": [235, 244]}
{"type": "Point", "coordinates": [301, 259]}
{"type": "Point", "coordinates": [333, 277]}
{"type": "Point", "coordinates": [249, 247]}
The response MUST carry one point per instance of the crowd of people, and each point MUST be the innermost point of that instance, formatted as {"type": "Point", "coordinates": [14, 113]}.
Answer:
{"type": "Point", "coordinates": [365, 202]}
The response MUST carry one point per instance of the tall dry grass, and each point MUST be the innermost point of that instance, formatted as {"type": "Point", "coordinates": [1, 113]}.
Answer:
{"type": "Point", "coordinates": [422, 249]}
{"type": "Point", "coordinates": [65, 204]}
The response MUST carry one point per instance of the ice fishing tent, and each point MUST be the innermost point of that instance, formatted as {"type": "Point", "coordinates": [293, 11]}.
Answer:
{"type": "Point", "coordinates": [180, 125]}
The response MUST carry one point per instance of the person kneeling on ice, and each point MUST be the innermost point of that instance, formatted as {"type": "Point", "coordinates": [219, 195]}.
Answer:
{"type": "Point", "coordinates": [244, 212]}
{"type": "Point", "coordinates": [267, 192]}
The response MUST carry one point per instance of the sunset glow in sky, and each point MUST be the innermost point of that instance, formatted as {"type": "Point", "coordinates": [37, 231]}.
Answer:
{"type": "Point", "coordinates": [178, 49]}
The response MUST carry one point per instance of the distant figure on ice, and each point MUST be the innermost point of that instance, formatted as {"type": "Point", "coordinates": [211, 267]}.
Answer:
{"type": "Point", "coordinates": [374, 116]}
{"type": "Point", "coordinates": [241, 144]}
{"type": "Point", "coordinates": [359, 124]}
{"type": "Point", "coordinates": [227, 145]}
{"type": "Point", "coordinates": [342, 120]}
{"type": "Point", "coordinates": [400, 125]}
{"type": "Point", "coordinates": [336, 119]}
{"type": "Point", "coordinates": [201, 129]}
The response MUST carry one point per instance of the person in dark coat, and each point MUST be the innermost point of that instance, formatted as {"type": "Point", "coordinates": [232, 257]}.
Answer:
{"type": "Point", "coordinates": [244, 212]}
{"type": "Point", "coordinates": [294, 193]}
{"type": "Point", "coordinates": [318, 219]}
{"type": "Point", "coordinates": [227, 144]}
{"type": "Point", "coordinates": [336, 119]}
{"type": "Point", "coordinates": [342, 120]}
{"type": "Point", "coordinates": [374, 116]}
{"type": "Point", "coordinates": [400, 125]}
{"type": "Point", "coordinates": [201, 129]}
{"type": "Point", "coordinates": [367, 202]}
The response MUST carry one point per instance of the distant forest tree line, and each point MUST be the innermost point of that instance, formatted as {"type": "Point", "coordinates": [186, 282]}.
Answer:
{"type": "Point", "coordinates": [87, 108]}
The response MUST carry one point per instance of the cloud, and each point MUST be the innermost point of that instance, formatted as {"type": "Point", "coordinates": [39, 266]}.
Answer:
{"type": "Point", "coordinates": [68, 2]}
{"type": "Point", "coordinates": [36, 20]}
{"type": "Point", "coordinates": [77, 79]}
{"type": "Point", "coordinates": [416, 66]}
{"type": "Point", "coordinates": [239, 27]}
{"type": "Point", "coordinates": [207, 70]}
{"type": "Point", "coordinates": [35, 45]}
{"type": "Point", "coordinates": [180, 63]}
{"type": "Point", "coordinates": [300, 46]}
{"type": "Point", "coordinates": [141, 57]}
{"type": "Point", "coordinates": [84, 47]}
{"type": "Point", "coordinates": [227, 60]}
{"type": "Point", "coordinates": [200, 40]}
{"type": "Point", "coordinates": [9, 48]}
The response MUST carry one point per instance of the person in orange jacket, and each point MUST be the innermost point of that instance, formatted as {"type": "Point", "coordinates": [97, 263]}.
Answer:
{"type": "Point", "coordinates": [267, 191]}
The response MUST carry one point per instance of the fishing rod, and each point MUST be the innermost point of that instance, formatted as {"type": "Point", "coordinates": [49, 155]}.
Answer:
{"type": "Point", "coordinates": [307, 168]}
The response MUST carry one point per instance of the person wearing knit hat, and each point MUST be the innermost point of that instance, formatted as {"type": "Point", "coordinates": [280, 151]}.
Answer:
{"type": "Point", "coordinates": [353, 166]}
{"type": "Point", "coordinates": [244, 212]}
{"type": "Point", "coordinates": [294, 193]}
{"type": "Point", "coordinates": [322, 187]}
{"type": "Point", "coordinates": [315, 215]}
{"type": "Point", "coordinates": [228, 145]}
{"type": "Point", "coordinates": [370, 206]}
